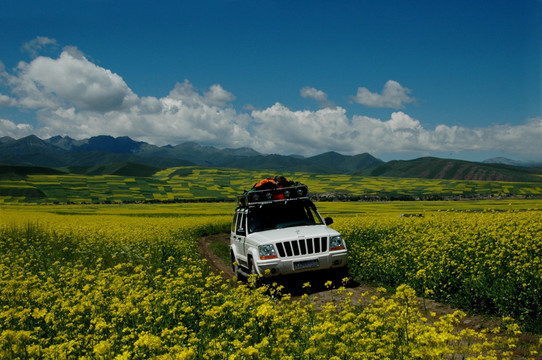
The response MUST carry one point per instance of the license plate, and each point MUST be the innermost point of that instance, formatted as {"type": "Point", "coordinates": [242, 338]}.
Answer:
{"type": "Point", "coordinates": [300, 265]}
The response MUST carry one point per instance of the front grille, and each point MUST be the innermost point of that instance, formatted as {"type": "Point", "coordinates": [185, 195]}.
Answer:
{"type": "Point", "coordinates": [302, 247]}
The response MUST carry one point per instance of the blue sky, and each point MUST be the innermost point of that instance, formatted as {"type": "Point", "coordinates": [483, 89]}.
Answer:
{"type": "Point", "coordinates": [399, 80]}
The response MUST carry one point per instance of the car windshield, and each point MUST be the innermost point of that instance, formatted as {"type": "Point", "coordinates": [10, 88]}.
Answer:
{"type": "Point", "coordinates": [282, 215]}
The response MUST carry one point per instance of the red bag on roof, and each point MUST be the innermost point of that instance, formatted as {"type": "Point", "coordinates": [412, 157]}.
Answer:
{"type": "Point", "coordinates": [267, 183]}
{"type": "Point", "coordinates": [272, 183]}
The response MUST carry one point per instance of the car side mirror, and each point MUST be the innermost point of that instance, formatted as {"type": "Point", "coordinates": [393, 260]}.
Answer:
{"type": "Point", "coordinates": [328, 221]}
{"type": "Point", "coordinates": [241, 232]}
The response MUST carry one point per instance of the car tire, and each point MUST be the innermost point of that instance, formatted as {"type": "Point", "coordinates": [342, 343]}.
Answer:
{"type": "Point", "coordinates": [254, 273]}
{"type": "Point", "coordinates": [252, 269]}
{"type": "Point", "coordinates": [340, 274]}
{"type": "Point", "coordinates": [235, 268]}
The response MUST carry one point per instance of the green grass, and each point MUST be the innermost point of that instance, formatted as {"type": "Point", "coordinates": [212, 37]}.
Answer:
{"type": "Point", "coordinates": [220, 249]}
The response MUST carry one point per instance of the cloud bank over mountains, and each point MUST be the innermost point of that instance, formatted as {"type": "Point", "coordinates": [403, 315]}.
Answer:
{"type": "Point", "coordinates": [73, 96]}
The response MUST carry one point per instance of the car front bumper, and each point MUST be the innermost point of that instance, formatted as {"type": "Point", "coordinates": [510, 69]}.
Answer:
{"type": "Point", "coordinates": [299, 264]}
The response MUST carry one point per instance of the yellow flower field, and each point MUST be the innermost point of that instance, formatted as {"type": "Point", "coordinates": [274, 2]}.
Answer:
{"type": "Point", "coordinates": [488, 262]}
{"type": "Point", "coordinates": [129, 283]}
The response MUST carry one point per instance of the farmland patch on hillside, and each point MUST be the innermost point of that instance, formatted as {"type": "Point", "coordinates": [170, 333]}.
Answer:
{"type": "Point", "coordinates": [184, 184]}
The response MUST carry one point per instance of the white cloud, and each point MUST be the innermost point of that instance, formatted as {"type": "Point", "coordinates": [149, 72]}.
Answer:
{"type": "Point", "coordinates": [70, 80]}
{"type": "Point", "coordinates": [72, 96]}
{"type": "Point", "coordinates": [33, 47]}
{"type": "Point", "coordinates": [280, 130]}
{"type": "Point", "coordinates": [6, 101]}
{"type": "Point", "coordinates": [403, 134]}
{"type": "Point", "coordinates": [187, 116]}
{"type": "Point", "coordinates": [518, 140]}
{"type": "Point", "coordinates": [318, 95]}
{"type": "Point", "coordinates": [9, 128]}
{"type": "Point", "coordinates": [310, 92]}
{"type": "Point", "coordinates": [217, 96]}
{"type": "Point", "coordinates": [393, 96]}
{"type": "Point", "coordinates": [402, 122]}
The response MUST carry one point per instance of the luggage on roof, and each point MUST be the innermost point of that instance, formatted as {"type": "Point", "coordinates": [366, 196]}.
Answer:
{"type": "Point", "coordinates": [273, 189]}
{"type": "Point", "coordinates": [272, 183]}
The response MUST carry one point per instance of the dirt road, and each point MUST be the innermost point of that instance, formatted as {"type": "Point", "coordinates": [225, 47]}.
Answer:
{"type": "Point", "coordinates": [322, 294]}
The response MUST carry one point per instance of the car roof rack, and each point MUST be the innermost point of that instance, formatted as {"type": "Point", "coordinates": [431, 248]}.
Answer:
{"type": "Point", "coordinates": [273, 195]}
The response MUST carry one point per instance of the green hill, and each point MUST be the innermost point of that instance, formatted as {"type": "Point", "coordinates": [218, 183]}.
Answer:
{"type": "Point", "coordinates": [326, 163]}
{"type": "Point", "coordinates": [13, 183]}
{"type": "Point", "coordinates": [120, 168]}
{"type": "Point", "coordinates": [436, 168]}
{"type": "Point", "coordinates": [14, 172]}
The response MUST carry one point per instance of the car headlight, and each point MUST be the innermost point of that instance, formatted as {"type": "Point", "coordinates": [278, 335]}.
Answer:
{"type": "Point", "coordinates": [336, 243]}
{"type": "Point", "coordinates": [267, 252]}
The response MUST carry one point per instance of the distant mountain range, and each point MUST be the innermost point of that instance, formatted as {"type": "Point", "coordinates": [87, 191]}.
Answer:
{"type": "Point", "coordinates": [505, 161]}
{"type": "Point", "coordinates": [124, 156]}
{"type": "Point", "coordinates": [90, 155]}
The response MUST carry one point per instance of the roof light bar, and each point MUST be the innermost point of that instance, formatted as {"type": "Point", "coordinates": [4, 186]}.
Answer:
{"type": "Point", "coordinates": [254, 197]}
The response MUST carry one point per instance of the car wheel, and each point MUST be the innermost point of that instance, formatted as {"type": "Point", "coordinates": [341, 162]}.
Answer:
{"type": "Point", "coordinates": [252, 269]}
{"type": "Point", "coordinates": [255, 277]}
{"type": "Point", "coordinates": [340, 274]}
{"type": "Point", "coordinates": [235, 268]}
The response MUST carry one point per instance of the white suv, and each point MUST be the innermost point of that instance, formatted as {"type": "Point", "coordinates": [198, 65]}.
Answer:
{"type": "Point", "coordinates": [279, 231]}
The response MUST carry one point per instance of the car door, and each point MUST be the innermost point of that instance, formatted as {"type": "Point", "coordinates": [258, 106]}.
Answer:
{"type": "Point", "coordinates": [238, 236]}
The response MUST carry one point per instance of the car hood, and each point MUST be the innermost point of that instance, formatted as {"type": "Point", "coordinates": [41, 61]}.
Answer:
{"type": "Point", "coordinates": [292, 233]}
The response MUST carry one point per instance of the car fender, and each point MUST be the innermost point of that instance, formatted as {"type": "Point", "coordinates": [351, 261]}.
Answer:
{"type": "Point", "coordinates": [253, 252]}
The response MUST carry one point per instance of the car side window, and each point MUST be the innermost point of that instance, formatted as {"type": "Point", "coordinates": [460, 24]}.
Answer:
{"type": "Point", "coordinates": [234, 222]}
{"type": "Point", "coordinates": [241, 224]}
{"type": "Point", "coordinates": [238, 223]}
